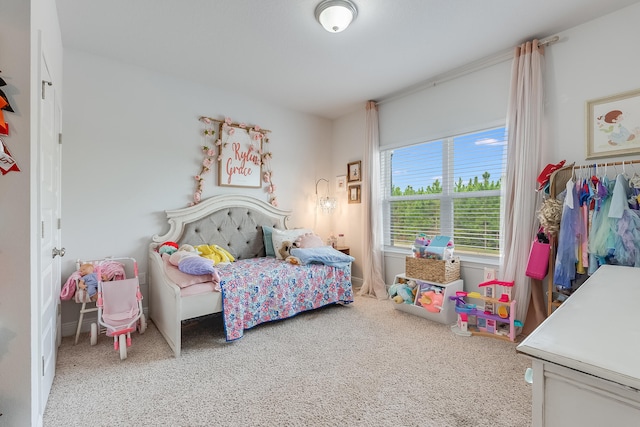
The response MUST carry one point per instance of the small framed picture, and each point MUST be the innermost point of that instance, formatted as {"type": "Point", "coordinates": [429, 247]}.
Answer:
{"type": "Point", "coordinates": [341, 183]}
{"type": "Point", "coordinates": [354, 171]}
{"type": "Point", "coordinates": [354, 193]}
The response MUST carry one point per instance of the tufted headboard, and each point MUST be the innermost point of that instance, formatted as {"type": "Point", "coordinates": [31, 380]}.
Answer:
{"type": "Point", "coordinates": [232, 222]}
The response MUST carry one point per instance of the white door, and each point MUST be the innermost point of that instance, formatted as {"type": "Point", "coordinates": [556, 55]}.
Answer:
{"type": "Point", "coordinates": [49, 188]}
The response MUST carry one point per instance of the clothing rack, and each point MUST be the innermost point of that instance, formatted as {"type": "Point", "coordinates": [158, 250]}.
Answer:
{"type": "Point", "coordinates": [607, 164]}
{"type": "Point", "coordinates": [551, 304]}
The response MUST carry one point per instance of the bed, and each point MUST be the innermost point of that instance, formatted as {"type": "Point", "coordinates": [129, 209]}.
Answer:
{"type": "Point", "coordinates": [255, 288]}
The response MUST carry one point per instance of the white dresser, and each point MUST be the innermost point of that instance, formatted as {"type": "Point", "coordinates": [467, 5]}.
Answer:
{"type": "Point", "coordinates": [586, 355]}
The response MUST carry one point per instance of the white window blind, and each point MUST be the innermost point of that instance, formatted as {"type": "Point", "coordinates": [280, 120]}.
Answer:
{"type": "Point", "coordinates": [445, 187]}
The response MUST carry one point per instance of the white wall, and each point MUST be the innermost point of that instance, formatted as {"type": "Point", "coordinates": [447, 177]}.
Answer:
{"type": "Point", "coordinates": [349, 140]}
{"type": "Point", "coordinates": [593, 60]}
{"type": "Point", "coordinates": [131, 147]}
{"type": "Point", "coordinates": [21, 24]}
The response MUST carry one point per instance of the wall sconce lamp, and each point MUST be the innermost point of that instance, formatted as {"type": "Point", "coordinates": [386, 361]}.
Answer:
{"type": "Point", "coordinates": [336, 15]}
{"type": "Point", "coordinates": [325, 203]}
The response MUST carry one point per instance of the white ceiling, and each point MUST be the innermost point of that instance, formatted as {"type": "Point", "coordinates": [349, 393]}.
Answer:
{"type": "Point", "coordinates": [276, 51]}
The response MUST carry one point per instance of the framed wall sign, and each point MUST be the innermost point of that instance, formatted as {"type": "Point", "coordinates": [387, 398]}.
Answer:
{"type": "Point", "coordinates": [354, 171]}
{"type": "Point", "coordinates": [240, 161]}
{"type": "Point", "coordinates": [341, 183]}
{"type": "Point", "coordinates": [354, 193]}
{"type": "Point", "coordinates": [613, 125]}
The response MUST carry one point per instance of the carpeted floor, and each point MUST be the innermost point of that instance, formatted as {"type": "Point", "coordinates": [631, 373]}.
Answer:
{"type": "Point", "coordinates": [365, 364]}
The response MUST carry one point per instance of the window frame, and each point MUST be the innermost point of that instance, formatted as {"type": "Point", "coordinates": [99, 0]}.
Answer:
{"type": "Point", "coordinates": [448, 195]}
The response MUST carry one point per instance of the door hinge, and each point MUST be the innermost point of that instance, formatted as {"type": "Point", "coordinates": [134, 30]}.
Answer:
{"type": "Point", "coordinates": [59, 223]}
{"type": "Point", "coordinates": [42, 229]}
{"type": "Point", "coordinates": [60, 138]}
{"type": "Point", "coordinates": [44, 82]}
{"type": "Point", "coordinates": [43, 366]}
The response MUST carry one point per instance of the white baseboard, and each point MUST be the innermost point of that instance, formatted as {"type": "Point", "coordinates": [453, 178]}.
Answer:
{"type": "Point", "coordinates": [69, 328]}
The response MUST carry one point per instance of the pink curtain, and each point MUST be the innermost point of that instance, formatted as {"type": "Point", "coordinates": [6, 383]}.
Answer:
{"type": "Point", "coordinates": [524, 124]}
{"type": "Point", "coordinates": [372, 266]}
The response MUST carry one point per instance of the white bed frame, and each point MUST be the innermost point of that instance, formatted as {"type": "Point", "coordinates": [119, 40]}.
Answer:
{"type": "Point", "coordinates": [226, 219]}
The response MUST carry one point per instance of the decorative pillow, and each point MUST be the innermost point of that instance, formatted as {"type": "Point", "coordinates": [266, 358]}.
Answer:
{"type": "Point", "coordinates": [197, 265]}
{"type": "Point", "coordinates": [280, 236]}
{"type": "Point", "coordinates": [309, 240]}
{"type": "Point", "coordinates": [181, 279]}
{"type": "Point", "coordinates": [268, 242]}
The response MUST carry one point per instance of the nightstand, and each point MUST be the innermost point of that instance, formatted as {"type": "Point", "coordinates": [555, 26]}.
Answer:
{"type": "Point", "coordinates": [343, 249]}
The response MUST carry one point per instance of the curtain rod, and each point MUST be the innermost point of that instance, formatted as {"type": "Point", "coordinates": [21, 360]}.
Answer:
{"type": "Point", "coordinates": [478, 65]}
{"type": "Point", "coordinates": [548, 41]}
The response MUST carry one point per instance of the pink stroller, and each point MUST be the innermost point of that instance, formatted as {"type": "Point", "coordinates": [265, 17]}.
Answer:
{"type": "Point", "coordinates": [119, 310]}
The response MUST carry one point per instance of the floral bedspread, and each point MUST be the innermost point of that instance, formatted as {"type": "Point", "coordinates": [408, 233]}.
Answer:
{"type": "Point", "coordinates": [260, 290]}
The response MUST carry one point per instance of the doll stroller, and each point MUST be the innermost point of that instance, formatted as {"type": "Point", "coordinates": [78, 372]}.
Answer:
{"type": "Point", "coordinates": [119, 307]}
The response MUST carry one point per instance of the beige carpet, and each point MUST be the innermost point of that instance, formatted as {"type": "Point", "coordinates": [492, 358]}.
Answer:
{"type": "Point", "coordinates": [360, 365]}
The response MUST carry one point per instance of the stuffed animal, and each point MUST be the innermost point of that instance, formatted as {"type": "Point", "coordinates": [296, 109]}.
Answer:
{"type": "Point", "coordinates": [285, 251]}
{"type": "Point", "coordinates": [403, 292]}
{"type": "Point", "coordinates": [215, 253]}
{"type": "Point", "coordinates": [188, 261]}
{"type": "Point", "coordinates": [293, 260]}
{"type": "Point", "coordinates": [168, 248]}
{"type": "Point", "coordinates": [431, 301]}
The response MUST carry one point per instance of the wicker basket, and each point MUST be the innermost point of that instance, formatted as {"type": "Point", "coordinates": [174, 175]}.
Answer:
{"type": "Point", "coordinates": [433, 270]}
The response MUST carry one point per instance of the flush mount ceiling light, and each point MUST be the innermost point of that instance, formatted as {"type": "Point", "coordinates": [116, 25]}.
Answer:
{"type": "Point", "coordinates": [336, 15]}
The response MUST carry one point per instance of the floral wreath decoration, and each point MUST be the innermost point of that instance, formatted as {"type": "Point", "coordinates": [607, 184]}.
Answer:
{"type": "Point", "coordinates": [256, 133]}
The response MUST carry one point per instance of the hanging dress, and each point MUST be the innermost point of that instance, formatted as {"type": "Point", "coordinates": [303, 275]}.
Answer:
{"type": "Point", "coordinates": [627, 233]}
{"type": "Point", "coordinates": [570, 225]}
{"type": "Point", "coordinates": [601, 236]}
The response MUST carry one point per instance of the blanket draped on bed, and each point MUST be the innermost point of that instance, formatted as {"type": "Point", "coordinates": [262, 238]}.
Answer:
{"type": "Point", "coordinates": [260, 290]}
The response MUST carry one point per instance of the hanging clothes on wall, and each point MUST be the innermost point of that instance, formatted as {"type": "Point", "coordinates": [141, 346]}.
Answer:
{"type": "Point", "coordinates": [627, 237]}
{"type": "Point", "coordinates": [566, 258]}
{"type": "Point", "coordinates": [610, 236]}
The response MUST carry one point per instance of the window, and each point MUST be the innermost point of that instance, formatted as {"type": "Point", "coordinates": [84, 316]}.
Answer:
{"type": "Point", "coordinates": [446, 187]}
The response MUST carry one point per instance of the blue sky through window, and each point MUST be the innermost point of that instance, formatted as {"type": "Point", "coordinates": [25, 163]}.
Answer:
{"type": "Point", "coordinates": [420, 165]}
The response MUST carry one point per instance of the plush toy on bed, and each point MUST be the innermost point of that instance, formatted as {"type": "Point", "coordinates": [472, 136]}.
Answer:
{"type": "Point", "coordinates": [215, 253]}
{"type": "Point", "coordinates": [168, 248]}
{"type": "Point", "coordinates": [285, 251]}
{"type": "Point", "coordinates": [188, 260]}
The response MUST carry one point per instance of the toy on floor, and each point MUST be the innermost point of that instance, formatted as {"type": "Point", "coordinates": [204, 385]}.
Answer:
{"type": "Point", "coordinates": [120, 310]}
{"type": "Point", "coordinates": [494, 317]}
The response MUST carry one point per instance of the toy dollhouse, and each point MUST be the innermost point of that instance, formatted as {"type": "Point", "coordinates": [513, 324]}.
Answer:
{"type": "Point", "coordinates": [493, 317]}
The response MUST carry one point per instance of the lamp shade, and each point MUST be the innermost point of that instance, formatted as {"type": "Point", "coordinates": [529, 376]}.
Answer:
{"type": "Point", "coordinates": [326, 204]}
{"type": "Point", "coordinates": [336, 15]}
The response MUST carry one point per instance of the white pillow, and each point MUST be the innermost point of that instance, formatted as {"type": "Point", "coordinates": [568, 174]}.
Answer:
{"type": "Point", "coordinates": [279, 236]}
